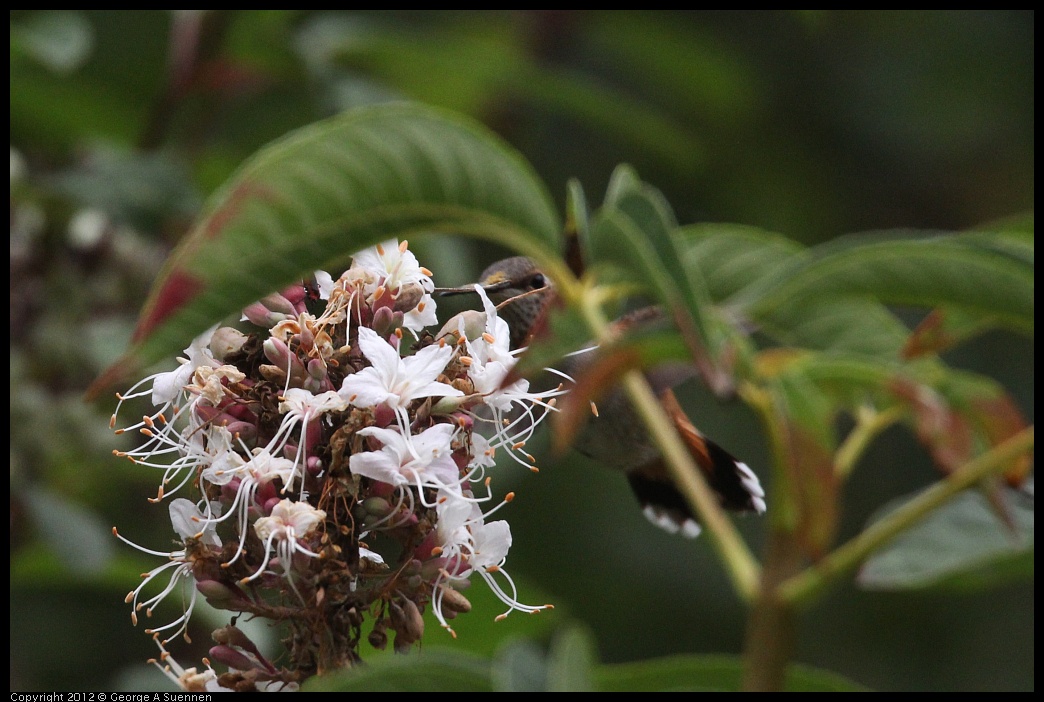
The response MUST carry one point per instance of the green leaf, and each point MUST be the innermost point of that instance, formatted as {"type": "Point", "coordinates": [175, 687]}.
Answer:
{"type": "Point", "coordinates": [571, 661]}
{"type": "Point", "coordinates": [946, 327]}
{"type": "Point", "coordinates": [846, 325]}
{"type": "Point", "coordinates": [905, 268]}
{"type": "Point", "coordinates": [962, 545]}
{"type": "Point", "coordinates": [577, 225]}
{"type": "Point", "coordinates": [708, 673]}
{"type": "Point", "coordinates": [634, 232]}
{"type": "Point", "coordinates": [732, 257]}
{"type": "Point", "coordinates": [313, 198]}
{"type": "Point", "coordinates": [430, 670]}
{"type": "Point", "coordinates": [61, 41]}
{"type": "Point", "coordinates": [83, 543]}
{"type": "Point", "coordinates": [520, 666]}
{"type": "Point", "coordinates": [806, 500]}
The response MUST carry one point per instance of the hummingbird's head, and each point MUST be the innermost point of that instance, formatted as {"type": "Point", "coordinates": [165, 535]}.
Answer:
{"type": "Point", "coordinates": [519, 290]}
{"type": "Point", "coordinates": [513, 277]}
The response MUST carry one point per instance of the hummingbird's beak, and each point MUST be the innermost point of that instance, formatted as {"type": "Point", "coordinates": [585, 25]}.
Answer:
{"type": "Point", "coordinates": [470, 289]}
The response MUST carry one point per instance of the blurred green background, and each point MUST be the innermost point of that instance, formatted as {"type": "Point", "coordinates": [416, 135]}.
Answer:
{"type": "Point", "coordinates": [812, 123]}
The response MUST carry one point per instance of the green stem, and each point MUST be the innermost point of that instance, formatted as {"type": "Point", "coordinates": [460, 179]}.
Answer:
{"type": "Point", "coordinates": [803, 586]}
{"type": "Point", "coordinates": [869, 423]}
{"type": "Point", "coordinates": [771, 626]}
{"type": "Point", "coordinates": [740, 563]}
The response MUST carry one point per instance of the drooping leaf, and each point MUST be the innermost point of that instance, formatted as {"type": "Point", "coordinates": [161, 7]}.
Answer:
{"type": "Point", "coordinates": [943, 329]}
{"type": "Point", "coordinates": [634, 232]}
{"type": "Point", "coordinates": [733, 257]}
{"type": "Point", "coordinates": [961, 545]}
{"type": "Point", "coordinates": [906, 268]}
{"type": "Point", "coordinates": [328, 190]}
{"type": "Point", "coordinates": [803, 424]}
{"type": "Point", "coordinates": [959, 415]}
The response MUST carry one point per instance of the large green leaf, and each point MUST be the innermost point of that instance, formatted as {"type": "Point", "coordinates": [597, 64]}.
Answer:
{"type": "Point", "coordinates": [432, 670]}
{"type": "Point", "coordinates": [907, 268]}
{"type": "Point", "coordinates": [946, 327]}
{"type": "Point", "coordinates": [708, 673]}
{"type": "Point", "coordinates": [962, 545]}
{"type": "Point", "coordinates": [733, 257]}
{"type": "Point", "coordinates": [634, 231]}
{"type": "Point", "coordinates": [313, 198]}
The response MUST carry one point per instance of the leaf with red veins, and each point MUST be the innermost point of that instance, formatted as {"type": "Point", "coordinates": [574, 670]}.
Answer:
{"type": "Point", "coordinates": [947, 435]}
{"type": "Point", "coordinates": [1000, 419]}
{"type": "Point", "coordinates": [813, 486]}
{"type": "Point", "coordinates": [179, 289]}
{"type": "Point", "coordinates": [230, 208]}
{"type": "Point", "coordinates": [942, 330]}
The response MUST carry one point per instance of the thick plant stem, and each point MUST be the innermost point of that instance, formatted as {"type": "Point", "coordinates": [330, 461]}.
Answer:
{"type": "Point", "coordinates": [771, 624]}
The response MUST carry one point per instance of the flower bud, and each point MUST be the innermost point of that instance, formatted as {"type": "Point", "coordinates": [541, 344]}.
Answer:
{"type": "Point", "coordinates": [454, 601]}
{"type": "Point", "coordinates": [260, 315]}
{"type": "Point", "coordinates": [217, 594]}
{"type": "Point", "coordinates": [408, 297]}
{"type": "Point", "coordinates": [231, 657]}
{"type": "Point", "coordinates": [473, 323]}
{"type": "Point", "coordinates": [412, 620]}
{"type": "Point", "coordinates": [226, 341]}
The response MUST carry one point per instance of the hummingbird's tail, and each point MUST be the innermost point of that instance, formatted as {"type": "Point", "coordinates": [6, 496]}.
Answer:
{"type": "Point", "coordinates": [737, 487]}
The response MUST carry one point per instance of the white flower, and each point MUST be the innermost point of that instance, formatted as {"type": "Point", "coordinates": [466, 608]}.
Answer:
{"type": "Point", "coordinates": [424, 460]}
{"type": "Point", "coordinates": [395, 381]}
{"type": "Point", "coordinates": [468, 545]}
{"type": "Point", "coordinates": [188, 522]}
{"type": "Point", "coordinates": [396, 264]}
{"type": "Point", "coordinates": [188, 679]}
{"type": "Point", "coordinates": [325, 282]}
{"type": "Point", "coordinates": [513, 408]}
{"type": "Point", "coordinates": [303, 405]}
{"type": "Point", "coordinates": [491, 360]}
{"type": "Point", "coordinates": [288, 522]}
{"type": "Point", "coordinates": [421, 316]}
{"type": "Point", "coordinates": [206, 382]}
{"type": "Point", "coordinates": [167, 386]}
{"type": "Point", "coordinates": [262, 468]}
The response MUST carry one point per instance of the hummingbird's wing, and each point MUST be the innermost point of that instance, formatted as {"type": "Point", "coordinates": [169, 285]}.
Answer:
{"type": "Point", "coordinates": [736, 485]}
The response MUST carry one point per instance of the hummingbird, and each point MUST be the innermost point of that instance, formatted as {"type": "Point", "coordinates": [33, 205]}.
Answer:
{"type": "Point", "coordinates": [614, 436]}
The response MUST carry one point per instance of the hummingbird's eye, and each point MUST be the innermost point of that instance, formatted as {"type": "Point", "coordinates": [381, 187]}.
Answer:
{"type": "Point", "coordinates": [538, 281]}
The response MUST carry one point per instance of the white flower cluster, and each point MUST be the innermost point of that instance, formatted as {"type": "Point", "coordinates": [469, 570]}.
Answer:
{"type": "Point", "coordinates": [317, 445]}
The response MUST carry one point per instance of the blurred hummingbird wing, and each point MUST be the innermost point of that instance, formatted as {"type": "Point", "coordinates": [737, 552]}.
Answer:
{"type": "Point", "coordinates": [736, 486]}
